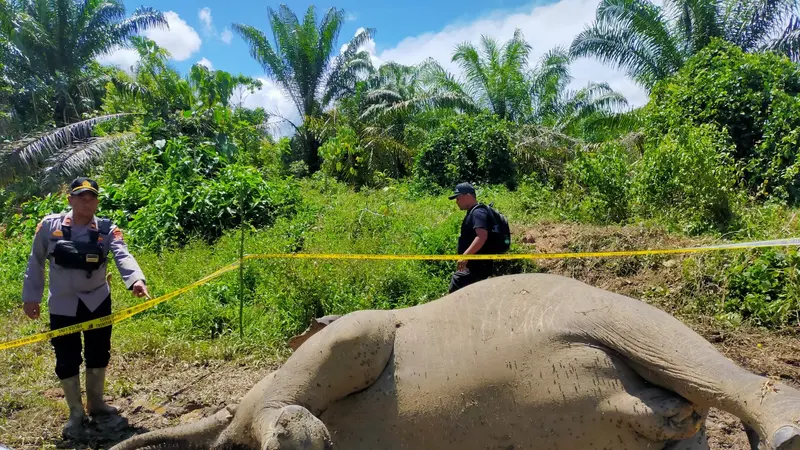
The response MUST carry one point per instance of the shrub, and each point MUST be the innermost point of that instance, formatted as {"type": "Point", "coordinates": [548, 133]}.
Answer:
{"type": "Point", "coordinates": [688, 178]}
{"type": "Point", "coordinates": [176, 210]}
{"type": "Point", "coordinates": [468, 148]}
{"type": "Point", "coordinates": [764, 289]}
{"type": "Point", "coordinates": [597, 185]}
{"type": "Point", "coordinates": [750, 96]}
{"type": "Point", "coordinates": [345, 159]}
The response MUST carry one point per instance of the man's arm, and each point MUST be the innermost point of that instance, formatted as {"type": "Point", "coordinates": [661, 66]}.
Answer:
{"type": "Point", "coordinates": [480, 222]}
{"type": "Point", "coordinates": [33, 284]}
{"type": "Point", "coordinates": [129, 269]}
{"type": "Point", "coordinates": [477, 243]}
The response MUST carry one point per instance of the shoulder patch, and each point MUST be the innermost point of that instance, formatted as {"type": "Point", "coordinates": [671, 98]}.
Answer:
{"type": "Point", "coordinates": [39, 227]}
{"type": "Point", "coordinates": [117, 234]}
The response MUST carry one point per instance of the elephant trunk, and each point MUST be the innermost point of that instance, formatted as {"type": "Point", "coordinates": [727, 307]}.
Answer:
{"type": "Point", "coordinates": [196, 435]}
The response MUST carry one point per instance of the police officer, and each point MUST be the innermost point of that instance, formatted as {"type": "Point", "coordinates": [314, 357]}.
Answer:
{"type": "Point", "coordinates": [472, 240]}
{"type": "Point", "coordinates": [77, 245]}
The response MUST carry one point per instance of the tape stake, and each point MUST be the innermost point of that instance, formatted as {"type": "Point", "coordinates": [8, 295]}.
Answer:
{"type": "Point", "coordinates": [150, 303]}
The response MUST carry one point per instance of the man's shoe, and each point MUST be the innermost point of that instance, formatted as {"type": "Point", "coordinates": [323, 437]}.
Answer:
{"type": "Point", "coordinates": [73, 429]}
{"type": "Point", "coordinates": [95, 384]}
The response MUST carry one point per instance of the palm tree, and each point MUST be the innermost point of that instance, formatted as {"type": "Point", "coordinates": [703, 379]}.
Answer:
{"type": "Point", "coordinates": [651, 42]}
{"type": "Point", "coordinates": [60, 39]}
{"type": "Point", "coordinates": [554, 105]}
{"type": "Point", "coordinates": [302, 62]}
{"type": "Point", "coordinates": [495, 77]}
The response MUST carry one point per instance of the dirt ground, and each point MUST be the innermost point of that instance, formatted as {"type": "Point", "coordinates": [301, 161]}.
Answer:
{"type": "Point", "coordinates": [161, 393]}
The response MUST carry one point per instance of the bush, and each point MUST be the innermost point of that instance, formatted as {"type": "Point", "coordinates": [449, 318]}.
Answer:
{"type": "Point", "coordinates": [177, 210]}
{"type": "Point", "coordinates": [345, 159]}
{"type": "Point", "coordinates": [597, 185]}
{"type": "Point", "coordinates": [32, 212]}
{"type": "Point", "coordinates": [689, 179]}
{"type": "Point", "coordinates": [764, 289]}
{"type": "Point", "coordinates": [750, 96]}
{"type": "Point", "coordinates": [468, 148]}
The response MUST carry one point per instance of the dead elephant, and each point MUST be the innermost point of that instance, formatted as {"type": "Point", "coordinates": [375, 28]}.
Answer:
{"type": "Point", "coordinates": [522, 361]}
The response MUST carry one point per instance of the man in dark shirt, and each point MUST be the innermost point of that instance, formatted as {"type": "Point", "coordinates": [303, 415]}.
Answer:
{"type": "Point", "coordinates": [474, 236]}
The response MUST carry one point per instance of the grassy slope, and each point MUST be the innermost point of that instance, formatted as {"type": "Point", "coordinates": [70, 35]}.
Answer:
{"type": "Point", "coordinates": [201, 327]}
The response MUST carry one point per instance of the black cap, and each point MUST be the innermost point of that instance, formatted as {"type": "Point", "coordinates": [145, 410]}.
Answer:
{"type": "Point", "coordinates": [83, 184]}
{"type": "Point", "coordinates": [462, 188]}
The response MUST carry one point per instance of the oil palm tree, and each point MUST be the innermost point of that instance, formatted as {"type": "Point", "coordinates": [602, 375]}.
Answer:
{"type": "Point", "coordinates": [650, 42]}
{"type": "Point", "coordinates": [303, 62]}
{"type": "Point", "coordinates": [495, 76]}
{"type": "Point", "coordinates": [60, 39]}
{"type": "Point", "coordinates": [557, 106]}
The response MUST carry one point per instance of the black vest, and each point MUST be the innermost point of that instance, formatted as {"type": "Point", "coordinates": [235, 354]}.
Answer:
{"type": "Point", "coordinates": [87, 256]}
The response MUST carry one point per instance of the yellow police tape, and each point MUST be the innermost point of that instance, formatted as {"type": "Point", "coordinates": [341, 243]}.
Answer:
{"type": "Point", "coordinates": [130, 312]}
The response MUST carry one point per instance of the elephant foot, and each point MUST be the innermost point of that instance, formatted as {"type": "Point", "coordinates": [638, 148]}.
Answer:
{"type": "Point", "coordinates": [657, 414]}
{"type": "Point", "coordinates": [787, 438]}
{"type": "Point", "coordinates": [295, 428]}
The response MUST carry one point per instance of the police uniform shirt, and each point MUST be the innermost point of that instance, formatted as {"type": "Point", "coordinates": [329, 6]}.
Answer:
{"type": "Point", "coordinates": [69, 286]}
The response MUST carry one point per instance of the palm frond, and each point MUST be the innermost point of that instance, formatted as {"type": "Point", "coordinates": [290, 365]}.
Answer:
{"type": "Point", "coordinates": [752, 23]}
{"type": "Point", "coordinates": [633, 36]}
{"type": "Point", "coordinates": [80, 158]}
{"type": "Point", "coordinates": [695, 22]}
{"type": "Point", "coordinates": [788, 43]}
{"type": "Point", "coordinates": [32, 154]}
{"type": "Point", "coordinates": [261, 50]}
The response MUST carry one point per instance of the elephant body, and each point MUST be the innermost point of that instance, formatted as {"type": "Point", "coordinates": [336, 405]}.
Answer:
{"type": "Point", "coordinates": [515, 362]}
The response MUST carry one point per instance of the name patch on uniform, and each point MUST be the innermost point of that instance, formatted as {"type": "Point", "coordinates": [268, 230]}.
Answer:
{"type": "Point", "coordinates": [92, 258]}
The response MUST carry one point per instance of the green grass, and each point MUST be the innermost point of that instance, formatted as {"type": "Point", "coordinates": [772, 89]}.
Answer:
{"type": "Point", "coordinates": [282, 295]}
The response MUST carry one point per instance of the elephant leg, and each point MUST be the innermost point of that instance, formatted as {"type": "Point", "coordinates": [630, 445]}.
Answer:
{"type": "Point", "coordinates": [656, 414]}
{"type": "Point", "coordinates": [669, 354]}
{"type": "Point", "coordinates": [280, 412]}
{"type": "Point", "coordinates": [696, 442]}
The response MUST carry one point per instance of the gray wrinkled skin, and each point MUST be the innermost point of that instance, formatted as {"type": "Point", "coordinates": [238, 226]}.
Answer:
{"type": "Point", "coordinates": [517, 362]}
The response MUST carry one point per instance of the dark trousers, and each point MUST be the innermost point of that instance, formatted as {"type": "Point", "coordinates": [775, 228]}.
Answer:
{"type": "Point", "coordinates": [68, 348]}
{"type": "Point", "coordinates": [474, 273]}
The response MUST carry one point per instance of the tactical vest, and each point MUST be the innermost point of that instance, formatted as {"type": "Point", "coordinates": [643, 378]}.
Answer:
{"type": "Point", "coordinates": [88, 256]}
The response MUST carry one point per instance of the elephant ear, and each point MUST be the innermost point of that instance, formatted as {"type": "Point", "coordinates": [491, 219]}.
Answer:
{"type": "Point", "coordinates": [313, 328]}
{"type": "Point", "coordinates": [196, 435]}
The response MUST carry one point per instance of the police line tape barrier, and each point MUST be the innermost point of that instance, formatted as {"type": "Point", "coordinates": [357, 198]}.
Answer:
{"type": "Point", "coordinates": [132, 311]}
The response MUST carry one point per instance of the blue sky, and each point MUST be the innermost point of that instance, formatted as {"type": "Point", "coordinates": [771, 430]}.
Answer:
{"type": "Point", "coordinates": [406, 32]}
{"type": "Point", "coordinates": [393, 21]}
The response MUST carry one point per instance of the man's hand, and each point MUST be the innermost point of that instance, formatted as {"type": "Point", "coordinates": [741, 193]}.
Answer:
{"type": "Point", "coordinates": [31, 310]}
{"type": "Point", "coordinates": [462, 265]}
{"type": "Point", "coordinates": [140, 290]}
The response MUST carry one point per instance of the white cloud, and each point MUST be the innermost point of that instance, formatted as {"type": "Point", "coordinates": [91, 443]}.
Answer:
{"type": "Point", "coordinates": [350, 17]}
{"type": "Point", "coordinates": [124, 58]}
{"type": "Point", "coordinates": [271, 98]}
{"type": "Point", "coordinates": [205, 16]}
{"type": "Point", "coordinates": [368, 46]}
{"type": "Point", "coordinates": [205, 62]}
{"type": "Point", "coordinates": [544, 27]}
{"type": "Point", "coordinates": [226, 36]}
{"type": "Point", "coordinates": [181, 40]}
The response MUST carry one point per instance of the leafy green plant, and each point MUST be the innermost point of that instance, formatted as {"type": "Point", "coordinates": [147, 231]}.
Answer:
{"type": "Point", "coordinates": [689, 178]}
{"type": "Point", "coordinates": [468, 148]}
{"type": "Point", "coordinates": [753, 98]}
{"type": "Point", "coordinates": [764, 289]}
{"type": "Point", "coordinates": [598, 183]}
